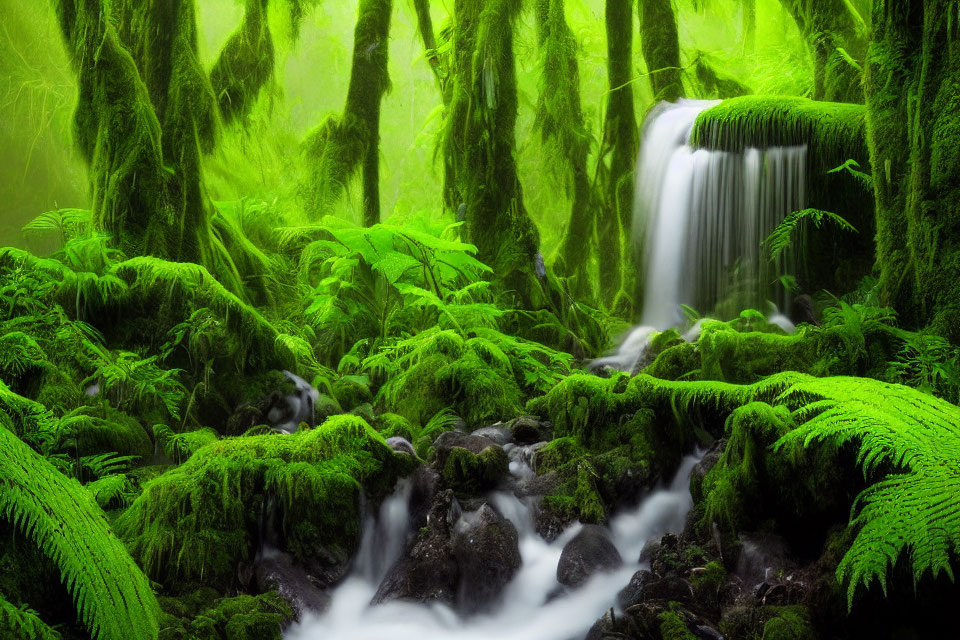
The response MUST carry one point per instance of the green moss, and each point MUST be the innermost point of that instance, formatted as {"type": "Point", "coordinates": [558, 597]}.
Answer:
{"type": "Point", "coordinates": [393, 424]}
{"type": "Point", "coordinates": [672, 627]}
{"type": "Point", "coordinates": [661, 48]}
{"type": "Point", "coordinates": [577, 497]}
{"type": "Point", "coordinates": [470, 474]}
{"type": "Point", "coordinates": [245, 64]}
{"type": "Point", "coordinates": [201, 615]}
{"type": "Point", "coordinates": [199, 520]}
{"type": "Point", "coordinates": [557, 453]}
{"type": "Point", "coordinates": [833, 131]}
{"type": "Point", "coordinates": [788, 623]}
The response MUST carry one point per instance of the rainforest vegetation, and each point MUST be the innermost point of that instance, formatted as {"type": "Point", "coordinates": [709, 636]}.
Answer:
{"type": "Point", "coordinates": [522, 267]}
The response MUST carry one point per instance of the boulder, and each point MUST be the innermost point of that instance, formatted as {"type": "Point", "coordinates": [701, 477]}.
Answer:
{"type": "Point", "coordinates": [486, 547]}
{"type": "Point", "coordinates": [277, 571]}
{"type": "Point", "coordinates": [470, 464]}
{"type": "Point", "coordinates": [529, 430]}
{"type": "Point", "coordinates": [590, 551]}
{"type": "Point", "coordinates": [498, 433]}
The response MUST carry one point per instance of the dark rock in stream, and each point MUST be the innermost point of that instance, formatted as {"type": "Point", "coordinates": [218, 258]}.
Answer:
{"type": "Point", "coordinates": [277, 571]}
{"type": "Point", "coordinates": [530, 430]}
{"type": "Point", "coordinates": [498, 433]}
{"type": "Point", "coordinates": [486, 546]}
{"type": "Point", "coordinates": [590, 551]}
{"type": "Point", "coordinates": [458, 559]}
{"type": "Point", "coordinates": [470, 464]}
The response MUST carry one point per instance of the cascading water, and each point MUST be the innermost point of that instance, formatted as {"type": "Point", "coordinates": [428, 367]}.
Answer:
{"type": "Point", "coordinates": [530, 606]}
{"type": "Point", "coordinates": [701, 217]}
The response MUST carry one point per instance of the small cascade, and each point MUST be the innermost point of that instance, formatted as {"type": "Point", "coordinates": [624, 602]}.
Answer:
{"type": "Point", "coordinates": [701, 216]}
{"type": "Point", "coordinates": [533, 603]}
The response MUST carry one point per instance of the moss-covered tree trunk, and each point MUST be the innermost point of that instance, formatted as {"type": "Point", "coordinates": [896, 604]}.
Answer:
{"type": "Point", "coordinates": [479, 144]}
{"type": "Point", "coordinates": [429, 38]}
{"type": "Point", "coordinates": [620, 145]}
{"type": "Point", "coordinates": [836, 35]}
{"type": "Point", "coordinates": [245, 64]}
{"type": "Point", "coordinates": [145, 111]}
{"type": "Point", "coordinates": [912, 89]}
{"type": "Point", "coordinates": [340, 147]}
{"type": "Point", "coordinates": [561, 124]}
{"type": "Point", "coordinates": [661, 48]}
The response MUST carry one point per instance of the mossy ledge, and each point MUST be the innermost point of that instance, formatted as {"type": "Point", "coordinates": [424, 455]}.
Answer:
{"type": "Point", "coordinates": [833, 131]}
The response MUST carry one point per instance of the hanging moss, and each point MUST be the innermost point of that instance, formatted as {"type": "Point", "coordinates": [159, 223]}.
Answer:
{"type": "Point", "coordinates": [340, 146]}
{"type": "Point", "coordinates": [245, 64]}
{"type": "Point", "coordinates": [200, 520]}
{"type": "Point", "coordinates": [425, 29]}
{"type": "Point", "coordinates": [559, 118]}
{"type": "Point", "coordinates": [661, 48]}
{"type": "Point", "coordinates": [479, 145]}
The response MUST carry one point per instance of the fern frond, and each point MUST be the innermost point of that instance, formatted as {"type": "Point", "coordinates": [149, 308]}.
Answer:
{"type": "Point", "coordinates": [21, 622]}
{"type": "Point", "coordinates": [780, 239]}
{"type": "Point", "coordinates": [112, 595]}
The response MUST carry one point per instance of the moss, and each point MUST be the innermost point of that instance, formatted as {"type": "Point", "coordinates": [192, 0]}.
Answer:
{"type": "Point", "coordinates": [352, 391]}
{"type": "Point", "coordinates": [341, 146]}
{"type": "Point", "coordinates": [556, 454]}
{"type": "Point", "coordinates": [911, 87]}
{"type": "Point", "coordinates": [562, 127]}
{"type": "Point", "coordinates": [661, 48]}
{"type": "Point", "coordinates": [201, 519]}
{"type": "Point", "coordinates": [577, 497]}
{"type": "Point", "coordinates": [788, 623]}
{"type": "Point", "coordinates": [833, 131]}
{"type": "Point", "coordinates": [201, 615]}
{"type": "Point", "coordinates": [393, 424]}
{"type": "Point", "coordinates": [480, 147]}
{"type": "Point", "coordinates": [672, 627]}
{"type": "Point", "coordinates": [707, 583]}
{"type": "Point", "coordinates": [245, 64]}
{"type": "Point", "coordinates": [620, 141]}
{"type": "Point", "coordinates": [471, 474]}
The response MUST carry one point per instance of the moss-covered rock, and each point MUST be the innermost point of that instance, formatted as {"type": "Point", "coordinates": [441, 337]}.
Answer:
{"type": "Point", "coordinates": [469, 473]}
{"type": "Point", "coordinates": [202, 519]}
{"type": "Point", "coordinates": [202, 615]}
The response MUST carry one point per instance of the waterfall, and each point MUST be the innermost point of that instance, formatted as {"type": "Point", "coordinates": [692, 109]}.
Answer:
{"type": "Point", "coordinates": [701, 216]}
{"type": "Point", "coordinates": [530, 607]}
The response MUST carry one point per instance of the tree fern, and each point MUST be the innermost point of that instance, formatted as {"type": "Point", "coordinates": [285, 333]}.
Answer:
{"type": "Point", "coordinates": [112, 595]}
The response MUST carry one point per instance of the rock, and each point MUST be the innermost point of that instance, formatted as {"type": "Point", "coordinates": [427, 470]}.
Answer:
{"type": "Point", "coordinates": [590, 551]}
{"type": "Point", "coordinates": [803, 310]}
{"type": "Point", "coordinates": [277, 571]}
{"type": "Point", "coordinates": [702, 468]}
{"type": "Point", "coordinates": [401, 445]}
{"type": "Point", "coordinates": [762, 557]}
{"type": "Point", "coordinates": [498, 433]}
{"type": "Point", "coordinates": [426, 483]}
{"type": "Point", "coordinates": [469, 464]}
{"type": "Point", "coordinates": [633, 593]}
{"type": "Point", "coordinates": [670, 588]}
{"type": "Point", "coordinates": [529, 430]}
{"type": "Point", "coordinates": [486, 547]}
{"type": "Point", "coordinates": [427, 571]}
{"type": "Point", "coordinates": [609, 626]}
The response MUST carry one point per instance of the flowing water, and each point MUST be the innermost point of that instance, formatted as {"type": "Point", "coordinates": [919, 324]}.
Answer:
{"type": "Point", "coordinates": [700, 218]}
{"type": "Point", "coordinates": [529, 608]}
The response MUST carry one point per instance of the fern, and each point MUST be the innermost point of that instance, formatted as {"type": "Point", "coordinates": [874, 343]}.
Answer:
{"type": "Point", "coordinates": [916, 510]}
{"type": "Point", "coordinates": [21, 622]}
{"type": "Point", "coordinates": [112, 595]}
{"type": "Point", "coordinates": [779, 240]}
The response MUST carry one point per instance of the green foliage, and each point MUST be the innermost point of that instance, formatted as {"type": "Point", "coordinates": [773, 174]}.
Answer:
{"type": "Point", "coordinates": [112, 595]}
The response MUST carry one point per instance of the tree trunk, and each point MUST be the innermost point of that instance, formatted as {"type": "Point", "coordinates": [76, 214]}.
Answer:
{"type": "Point", "coordinates": [836, 36]}
{"type": "Point", "coordinates": [145, 110]}
{"type": "Point", "coordinates": [661, 48]}
{"type": "Point", "coordinates": [339, 147]}
{"type": "Point", "coordinates": [912, 84]}
{"type": "Point", "coordinates": [560, 121]}
{"type": "Point", "coordinates": [480, 146]}
{"type": "Point", "coordinates": [620, 143]}
{"type": "Point", "coordinates": [245, 64]}
{"type": "Point", "coordinates": [425, 29]}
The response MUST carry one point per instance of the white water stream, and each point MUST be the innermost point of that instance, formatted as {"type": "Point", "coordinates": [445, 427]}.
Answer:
{"type": "Point", "coordinates": [528, 609]}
